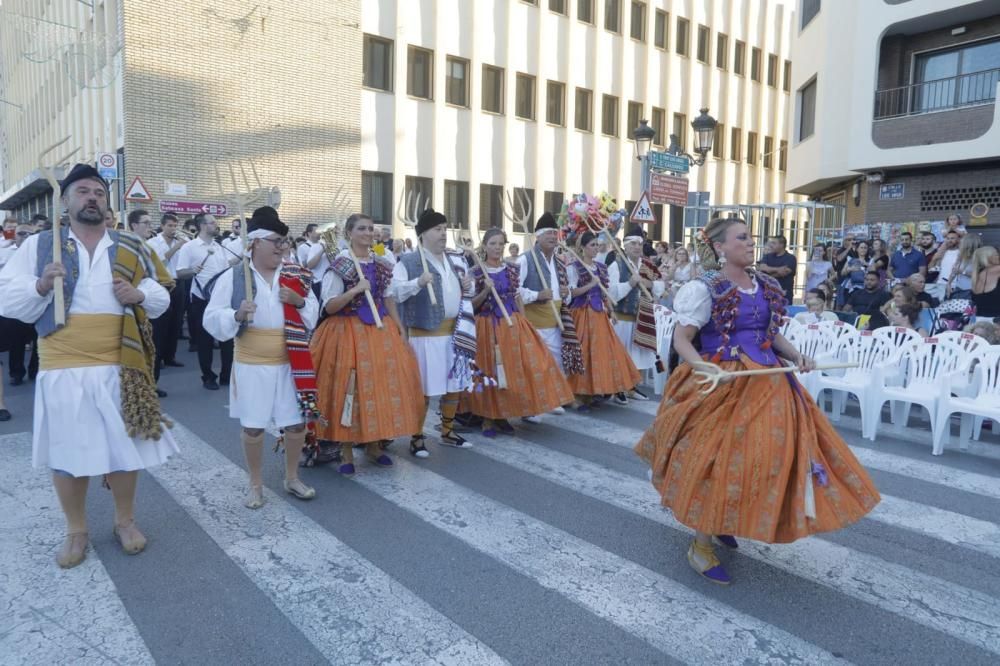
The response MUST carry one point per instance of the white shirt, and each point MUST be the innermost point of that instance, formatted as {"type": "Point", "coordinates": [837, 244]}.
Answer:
{"type": "Point", "coordinates": [948, 260]}
{"type": "Point", "coordinates": [93, 293]}
{"type": "Point", "coordinates": [620, 290]}
{"type": "Point", "coordinates": [403, 288]}
{"type": "Point", "coordinates": [233, 246]}
{"type": "Point", "coordinates": [6, 252]}
{"type": "Point", "coordinates": [309, 251]}
{"type": "Point", "coordinates": [207, 254]}
{"type": "Point", "coordinates": [812, 318]}
{"type": "Point", "coordinates": [161, 246]}
{"type": "Point", "coordinates": [220, 318]}
{"type": "Point", "coordinates": [527, 295]}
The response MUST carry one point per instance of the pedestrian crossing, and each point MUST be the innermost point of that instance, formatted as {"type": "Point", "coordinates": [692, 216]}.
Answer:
{"type": "Point", "coordinates": [562, 514]}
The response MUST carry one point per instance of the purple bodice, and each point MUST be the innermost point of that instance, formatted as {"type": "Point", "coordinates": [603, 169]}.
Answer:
{"type": "Point", "coordinates": [359, 306]}
{"type": "Point", "coordinates": [593, 299]}
{"type": "Point", "coordinates": [748, 335]}
{"type": "Point", "coordinates": [507, 293]}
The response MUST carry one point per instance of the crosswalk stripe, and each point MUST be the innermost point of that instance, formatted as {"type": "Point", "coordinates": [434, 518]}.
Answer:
{"type": "Point", "coordinates": [50, 615]}
{"type": "Point", "coordinates": [966, 614]}
{"type": "Point", "coordinates": [669, 616]}
{"type": "Point", "coordinates": [947, 526]}
{"type": "Point", "coordinates": [337, 613]}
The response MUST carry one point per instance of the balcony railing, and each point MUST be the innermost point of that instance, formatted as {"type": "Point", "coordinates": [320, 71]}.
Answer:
{"type": "Point", "coordinates": [938, 95]}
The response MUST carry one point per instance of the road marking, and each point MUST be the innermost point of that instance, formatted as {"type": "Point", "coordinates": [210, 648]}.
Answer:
{"type": "Point", "coordinates": [671, 617]}
{"type": "Point", "coordinates": [966, 614]}
{"type": "Point", "coordinates": [345, 605]}
{"type": "Point", "coordinates": [50, 615]}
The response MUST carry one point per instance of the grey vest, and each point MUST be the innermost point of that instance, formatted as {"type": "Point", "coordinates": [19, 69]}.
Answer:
{"type": "Point", "coordinates": [46, 324]}
{"type": "Point", "coordinates": [240, 292]}
{"type": "Point", "coordinates": [630, 304]}
{"type": "Point", "coordinates": [531, 280]}
{"type": "Point", "coordinates": [417, 311]}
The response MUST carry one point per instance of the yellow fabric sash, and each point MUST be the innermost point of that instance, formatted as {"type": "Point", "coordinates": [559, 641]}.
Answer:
{"type": "Point", "coordinates": [262, 346]}
{"type": "Point", "coordinates": [87, 340]}
{"type": "Point", "coordinates": [447, 327]}
{"type": "Point", "coordinates": [540, 314]}
{"type": "Point", "coordinates": [624, 317]}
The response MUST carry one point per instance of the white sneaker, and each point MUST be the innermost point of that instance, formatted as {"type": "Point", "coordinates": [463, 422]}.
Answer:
{"type": "Point", "coordinates": [558, 411]}
{"type": "Point", "coordinates": [531, 419]}
{"type": "Point", "coordinates": [636, 394]}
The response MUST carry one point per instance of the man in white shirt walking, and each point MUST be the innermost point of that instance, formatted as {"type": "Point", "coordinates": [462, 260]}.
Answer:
{"type": "Point", "coordinates": [313, 255]}
{"type": "Point", "coordinates": [167, 327]}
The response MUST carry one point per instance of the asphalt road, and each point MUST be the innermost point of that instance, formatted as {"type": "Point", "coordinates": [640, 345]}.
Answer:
{"type": "Point", "coordinates": [545, 548]}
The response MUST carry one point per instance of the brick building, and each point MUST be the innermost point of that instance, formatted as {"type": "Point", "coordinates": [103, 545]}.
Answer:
{"type": "Point", "coordinates": [180, 88]}
{"type": "Point", "coordinates": [899, 122]}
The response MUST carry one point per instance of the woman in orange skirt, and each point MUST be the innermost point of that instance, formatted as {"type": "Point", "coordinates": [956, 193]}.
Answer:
{"type": "Point", "coordinates": [516, 356]}
{"type": "Point", "coordinates": [755, 457]}
{"type": "Point", "coordinates": [608, 368]}
{"type": "Point", "coordinates": [368, 381]}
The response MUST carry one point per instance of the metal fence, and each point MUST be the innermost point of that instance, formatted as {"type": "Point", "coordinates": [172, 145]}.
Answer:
{"type": "Point", "coordinates": [938, 95]}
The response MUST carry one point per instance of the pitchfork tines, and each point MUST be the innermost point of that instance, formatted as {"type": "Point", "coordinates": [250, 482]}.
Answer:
{"type": "Point", "coordinates": [411, 205]}
{"type": "Point", "coordinates": [517, 207]}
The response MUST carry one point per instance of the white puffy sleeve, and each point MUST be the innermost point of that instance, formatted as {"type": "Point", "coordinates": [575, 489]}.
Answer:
{"type": "Point", "coordinates": [156, 299]}
{"type": "Point", "coordinates": [310, 311]}
{"type": "Point", "coordinates": [693, 304]}
{"type": "Point", "coordinates": [527, 295]}
{"type": "Point", "coordinates": [617, 289]}
{"type": "Point", "coordinates": [18, 297]}
{"type": "Point", "coordinates": [572, 276]}
{"type": "Point", "coordinates": [333, 286]}
{"type": "Point", "coordinates": [220, 318]}
{"type": "Point", "coordinates": [403, 287]}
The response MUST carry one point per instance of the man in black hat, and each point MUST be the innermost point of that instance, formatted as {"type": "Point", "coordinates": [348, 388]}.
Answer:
{"type": "Point", "coordinates": [95, 401]}
{"type": "Point", "coordinates": [265, 390]}
{"type": "Point", "coordinates": [442, 334]}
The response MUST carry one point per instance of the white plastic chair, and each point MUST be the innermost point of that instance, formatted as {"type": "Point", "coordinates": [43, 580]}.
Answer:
{"type": "Point", "coordinates": [838, 327]}
{"type": "Point", "coordinates": [927, 366]}
{"type": "Point", "coordinates": [865, 350]}
{"type": "Point", "coordinates": [666, 321]}
{"type": "Point", "coordinates": [984, 402]}
{"type": "Point", "coordinates": [814, 341]}
{"type": "Point", "coordinates": [789, 327]}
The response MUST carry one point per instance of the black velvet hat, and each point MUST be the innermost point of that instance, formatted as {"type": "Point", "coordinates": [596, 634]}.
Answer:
{"type": "Point", "coordinates": [429, 219]}
{"type": "Point", "coordinates": [266, 218]}
{"type": "Point", "coordinates": [546, 221]}
{"type": "Point", "coordinates": [81, 172]}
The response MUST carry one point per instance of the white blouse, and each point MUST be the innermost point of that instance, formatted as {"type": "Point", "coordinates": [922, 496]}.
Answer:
{"type": "Point", "coordinates": [693, 303]}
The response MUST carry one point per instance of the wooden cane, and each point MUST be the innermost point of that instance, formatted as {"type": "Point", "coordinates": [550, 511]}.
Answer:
{"type": "Point", "coordinates": [545, 285]}
{"type": "Point", "coordinates": [593, 273]}
{"type": "Point", "coordinates": [430, 285]}
{"type": "Point", "coordinates": [368, 293]}
{"type": "Point", "coordinates": [493, 289]}
{"type": "Point", "coordinates": [247, 273]}
{"type": "Point", "coordinates": [59, 299]}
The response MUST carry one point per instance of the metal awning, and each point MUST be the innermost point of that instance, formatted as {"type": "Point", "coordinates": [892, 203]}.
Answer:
{"type": "Point", "coordinates": [28, 188]}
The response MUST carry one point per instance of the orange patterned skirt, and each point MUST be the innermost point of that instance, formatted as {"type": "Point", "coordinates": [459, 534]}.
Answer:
{"type": "Point", "coordinates": [607, 366]}
{"type": "Point", "coordinates": [388, 398]}
{"type": "Point", "coordinates": [737, 460]}
{"type": "Point", "coordinates": [535, 384]}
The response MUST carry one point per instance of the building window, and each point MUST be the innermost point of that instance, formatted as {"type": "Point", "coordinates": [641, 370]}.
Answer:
{"type": "Point", "coordinates": [807, 110]}
{"type": "Point", "coordinates": [419, 187]}
{"type": "Point", "coordinates": [492, 89]}
{"type": "Point", "coordinates": [490, 211]}
{"type": "Point", "coordinates": [736, 144]}
{"type": "Point", "coordinates": [722, 51]}
{"type": "Point", "coordinates": [683, 30]}
{"type": "Point", "coordinates": [660, 22]}
{"type": "Point", "coordinates": [680, 129]}
{"type": "Point", "coordinates": [609, 115]}
{"type": "Point", "coordinates": [524, 97]}
{"type": "Point", "coordinates": [719, 142]}
{"type": "Point", "coordinates": [637, 27]}
{"type": "Point", "coordinates": [584, 110]}
{"type": "Point", "coordinates": [782, 155]}
{"type": "Point", "coordinates": [457, 81]}
{"type": "Point", "coordinates": [768, 152]}
{"type": "Point", "coordinates": [751, 147]}
{"type": "Point", "coordinates": [956, 77]}
{"type": "Point", "coordinates": [658, 121]}
{"type": "Point", "coordinates": [377, 63]}
{"type": "Point", "coordinates": [786, 84]}
{"type": "Point", "coordinates": [772, 70]}
{"type": "Point", "coordinates": [420, 73]}
{"type": "Point", "coordinates": [704, 44]}
{"type": "Point", "coordinates": [555, 103]}
{"type": "Point", "coordinates": [553, 201]}
{"type": "Point", "coordinates": [740, 58]}
{"type": "Point", "coordinates": [376, 196]}
{"type": "Point", "coordinates": [634, 116]}
{"type": "Point", "coordinates": [809, 10]}
{"type": "Point", "coordinates": [456, 203]}
{"type": "Point", "coordinates": [755, 63]}
{"type": "Point", "coordinates": [558, 6]}
{"type": "Point", "coordinates": [613, 16]}
{"type": "Point", "coordinates": [585, 11]}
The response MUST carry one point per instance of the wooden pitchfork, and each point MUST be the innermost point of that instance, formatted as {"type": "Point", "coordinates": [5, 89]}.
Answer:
{"type": "Point", "coordinates": [710, 374]}
{"type": "Point", "coordinates": [415, 205]}
{"type": "Point", "coordinates": [598, 227]}
{"type": "Point", "coordinates": [523, 202]}
{"type": "Point", "coordinates": [240, 197]}
{"type": "Point", "coordinates": [59, 299]}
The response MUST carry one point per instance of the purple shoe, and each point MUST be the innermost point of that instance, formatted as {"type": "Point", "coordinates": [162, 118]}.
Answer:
{"type": "Point", "coordinates": [703, 560]}
{"type": "Point", "coordinates": [583, 409]}
{"type": "Point", "coordinates": [727, 541]}
{"type": "Point", "coordinates": [347, 469]}
{"type": "Point", "coordinates": [505, 427]}
{"type": "Point", "coordinates": [383, 461]}
{"type": "Point", "coordinates": [490, 433]}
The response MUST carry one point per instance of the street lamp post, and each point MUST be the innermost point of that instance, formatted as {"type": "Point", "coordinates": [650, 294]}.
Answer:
{"type": "Point", "coordinates": [704, 136]}
{"type": "Point", "coordinates": [643, 136]}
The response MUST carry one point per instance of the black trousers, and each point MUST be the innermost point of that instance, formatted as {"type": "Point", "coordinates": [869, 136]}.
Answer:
{"type": "Point", "coordinates": [206, 342]}
{"type": "Point", "coordinates": [167, 329]}
{"type": "Point", "coordinates": [19, 336]}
